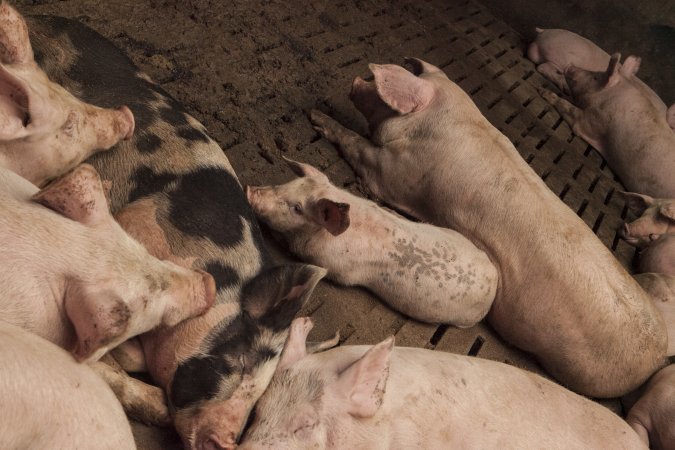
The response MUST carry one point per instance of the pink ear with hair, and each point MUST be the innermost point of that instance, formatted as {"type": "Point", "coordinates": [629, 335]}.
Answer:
{"type": "Point", "coordinates": [78, 195]}
{"type": "Point", "coordinates": [637, 203]}
{"type": "Point", "coordinates": [333, 216]}
{"type": "Point", "coordinates": [363, 384]}
{"type": "Point", "coordinates": [295, 347]}
{"type": "Point", "coordinates": [14, 42]}
{"type": "Point", "coordinates": [668, 210]}
{"type": "Point", "coordinates": [631, 66]}
{"type": "Point", "coordinates": [401, 90]}
{"type": "Point", "coordinates": [304, 170]}
{"type": "Point", "coordinates": [613, 73]}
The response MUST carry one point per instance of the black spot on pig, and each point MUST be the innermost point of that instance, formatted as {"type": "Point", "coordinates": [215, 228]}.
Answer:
{"type": "Point", "coordinates": [225, 276]}
{"type": "Point", "coordinates": [192, 134]}
{"type": "Point", "coordinates": [147, 182]}
{"type": "Point", "coordinates": [197, 379]}
{"type": "Point", "coordinates": [148, 142]}
{"type": "Point", "coordinates": [222, 221]}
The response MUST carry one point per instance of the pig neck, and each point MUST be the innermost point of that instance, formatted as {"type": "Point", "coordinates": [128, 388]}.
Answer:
{"type": "Point", "coordinates": [372, 233]}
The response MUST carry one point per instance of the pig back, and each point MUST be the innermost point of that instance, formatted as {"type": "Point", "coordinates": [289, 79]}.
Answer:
{"type": "Point", "coordinates": [51, 401]}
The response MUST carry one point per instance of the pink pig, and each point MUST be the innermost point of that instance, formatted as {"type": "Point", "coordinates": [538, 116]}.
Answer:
{"type": "Point", "coordinates": [618, 119]}
{"type": "Point", "coordinates": [431, 153]}
{"type": "Point", "coordinates": [73, 276]}
{"type": "Point", "coordinates": [380, 397]}
{"type": "Point", "coordinates": [554, 50]}
{"type": "Point", "coordinates": [653, 415]}
{"type": "Point", "coordinates": [429, 273]}
{"type": "Point", "coordinates": [44, 130]}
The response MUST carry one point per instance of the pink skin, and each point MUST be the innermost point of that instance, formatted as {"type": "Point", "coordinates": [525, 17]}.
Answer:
{"type": "Point", "coordinates": [429, 273]}
{"type": "Point", "coordinates": [659, 257]}
{"type": "Point", "coordinates": [362, 397]}
{"type": "Point", "coordinates": [653, 415]}
{"type": "Point", "coordinates": [554, 50]}
{"type": "Point", "coordinates": [44, 130]}
{"type": "Point", "coordinates": [613, 114]}
{"type": "Point", "coordinates": [441, 161]}
{"type": "Point", "coordinates": [661, 288]}
{"type": "Point", "coordinates": [51, 401]}
{"type": "Point", "coordinates": [76, 278]}
{"type": "Point", "coordinates": [657, 217]}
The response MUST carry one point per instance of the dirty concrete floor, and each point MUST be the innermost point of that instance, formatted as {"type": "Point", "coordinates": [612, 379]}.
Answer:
{"type": "Point", "coordinates": [251, 71]}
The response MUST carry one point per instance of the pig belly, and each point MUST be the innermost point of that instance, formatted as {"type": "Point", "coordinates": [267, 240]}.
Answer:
{"type": "Point", "coordinates": [50, 401]}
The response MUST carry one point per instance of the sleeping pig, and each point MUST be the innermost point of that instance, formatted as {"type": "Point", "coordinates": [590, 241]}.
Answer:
{"type": "Point", "coordinates": [44, 130]}
{"type": "Point", "coordinates": [73, 276]}
{"type": "Point", "coordinates": [612, 113]}
{"type": "Point", "coordinates": [554, 50]}
{"type": "Point", "coordinates": [51, 401]}
{"type": "Point", "coordinates": [380, 397]}
{"type": "Point", "coordinates": [433, 155]}
{"type": "Point", "coordinates": [429, 273]}
{"type": "Point", "coordinates": [174, 190]}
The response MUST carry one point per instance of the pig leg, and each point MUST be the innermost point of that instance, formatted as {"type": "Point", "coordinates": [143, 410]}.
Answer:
{"type": "Point", "coordinates": [552, 73]}
{"type": "Point", "coordinates": [360, 154]}
{"type": "Point", "coordinates": [574, 117]}
{"type": "Point", "coordinates": [141, 401]}
{"type": "Point", "coordinates": [129, 355]}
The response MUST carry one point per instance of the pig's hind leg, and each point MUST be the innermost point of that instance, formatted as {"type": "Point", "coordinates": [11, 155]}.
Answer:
{"type": "Point", "coordinates": [141, 401]}
{"type": "Point", "coordinates": [359, 152]}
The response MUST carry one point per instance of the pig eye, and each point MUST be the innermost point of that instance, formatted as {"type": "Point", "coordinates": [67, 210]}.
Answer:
{"type": "Point", "coordinates": [297, 209]}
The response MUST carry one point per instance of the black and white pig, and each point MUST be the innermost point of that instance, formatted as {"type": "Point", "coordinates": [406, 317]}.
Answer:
{"type": "Point", "coordinates": [184, 203]}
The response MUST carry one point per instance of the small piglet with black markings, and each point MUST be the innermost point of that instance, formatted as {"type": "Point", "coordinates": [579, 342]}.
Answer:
{"type": "Point", "coordinates": [381, 397]}
{"type": "Point", "coordinates": [429, 273]}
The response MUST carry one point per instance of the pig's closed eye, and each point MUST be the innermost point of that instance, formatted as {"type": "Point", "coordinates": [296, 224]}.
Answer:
{"type": "Point", "coordinates": [297, 209]}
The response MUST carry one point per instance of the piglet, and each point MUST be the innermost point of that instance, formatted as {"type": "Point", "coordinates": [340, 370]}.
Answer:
{"type": "Point", "coordinates": [554, 50]}
{"type": "Point", "coordinates": [617, 118]}
{"type": "Point", "coordinates": [44, 130]}
{"type": "Point", "coordinates": [381, 397]}
{"type": "Point", "coordinates": [73, 276]}
{"type": "Point", "coordinates": [50, 401]}
{"type": "Point", "coordinates": [429, 273]}
{"type": "Point", "coordinates": [653, 415]}
{"type": "Point", "coordinates": [653, 231]}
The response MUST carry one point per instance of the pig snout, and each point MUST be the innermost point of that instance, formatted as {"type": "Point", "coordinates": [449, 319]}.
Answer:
{"type": "Point", "coordinates": [112, 125]}
{"type": "Point", "coordinates": [191, 296]}
{"type": "Point", "coordinates": [259, 197]}
{"type": "Point", "coordinates": [128, 120]}
{"type": "Point", "coordinates": [209, 289]}
{"type": "Point", "coordinates": [211, 441]}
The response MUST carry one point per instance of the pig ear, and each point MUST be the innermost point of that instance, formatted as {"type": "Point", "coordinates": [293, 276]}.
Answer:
{"type": "Point", "coordinates": [304, 170]}
{"type": "Point", "coordinates": [333, 216]}
{"type": "Point", "coordinates": [637, 203]}
{"type": "Point", "coordinates": [419, 67]}
{"type": "Point", "coordinates": [14, 42]}
{"type": "Point", "coordinates": [401, 90]}
{"type": "Point", "coordinates": [275, 296]}
{"type": "Point", "coordinates": [668, 210]}
{"type": "Point", "coordinates": [14, 106]}
{"type": "Point", "coordinates": [295, 347]}
{"type": "Point", "coordinates": [77, 195]}
{"type": "Point", "coordinates": [613, 73]}
{"type": "Point", "coordinates": [363, 383]}
{"type": "Point", "coordinates": [631, 66]}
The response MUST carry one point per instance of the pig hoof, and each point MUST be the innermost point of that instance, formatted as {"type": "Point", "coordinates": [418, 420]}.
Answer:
{"type": "Point", "coordinates": [547, 95]}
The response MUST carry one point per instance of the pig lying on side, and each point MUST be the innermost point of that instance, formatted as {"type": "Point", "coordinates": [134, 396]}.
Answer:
{"type": "Point", "coordinates": [554, 50]}
{"type": "Point", "coordinates": [50, 401]}
{"type": "Point", "coordinates": [73, 276]}
{"type": "Point", "coordinates": [618, 119]}
{"type": "Point", "coordinates": [653, 231]}
{"type": "Point", "coordinates": [175, 191]}
{"type": "Point", "coordinates": [429, 273]}
{"type": "Point", "coordinates": [653, 415]}
{"type": "Point", "coordinates": [436, 157]}
{"type": "Point", "coordinates": [44, 130]}
{"type": "Point", "coordinates": [380, 397]}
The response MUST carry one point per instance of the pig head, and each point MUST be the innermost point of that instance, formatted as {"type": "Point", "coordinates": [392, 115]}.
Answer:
{"type": "Point", "coordinates": [44, 130]}
{"type": "Point", "coordinates": [657, 217]}
{"type": "Point", "coordinates": [104, 286]}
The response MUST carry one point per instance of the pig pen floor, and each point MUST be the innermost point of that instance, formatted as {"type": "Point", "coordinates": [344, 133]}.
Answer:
{"type": "Point", "coordinates": [251, 71]}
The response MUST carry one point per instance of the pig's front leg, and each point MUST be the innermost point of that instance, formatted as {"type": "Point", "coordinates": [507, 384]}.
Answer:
{"type": "Point", "coordinates": [141, 401]}
{"type": "Point", "coordinates": [359, 152]}
{"type": "Point", "coordinates": [574, 117]}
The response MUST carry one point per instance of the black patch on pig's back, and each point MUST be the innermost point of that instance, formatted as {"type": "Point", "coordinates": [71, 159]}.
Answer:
{"type": "Point", "coordinates": [148, 182]}
{"type": "Point", "coordinates": [148, 142]}
{"type": "Point", "coordinates": [221, 220]}
{"type": "Point", "coordinates": [225, 276]}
